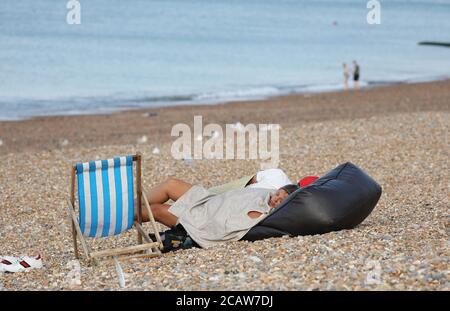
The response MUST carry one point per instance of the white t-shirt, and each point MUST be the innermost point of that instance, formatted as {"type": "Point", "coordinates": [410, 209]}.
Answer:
{"type": "Point", "coordinates": [273, 178]}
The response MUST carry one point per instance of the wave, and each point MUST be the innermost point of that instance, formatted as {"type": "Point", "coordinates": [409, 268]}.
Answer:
{"type": "Point", "coordinates": [23, 108]}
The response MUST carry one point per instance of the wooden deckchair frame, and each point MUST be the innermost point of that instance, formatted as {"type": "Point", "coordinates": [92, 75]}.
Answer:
{"type": "Point", "coordinates": [141, 196]}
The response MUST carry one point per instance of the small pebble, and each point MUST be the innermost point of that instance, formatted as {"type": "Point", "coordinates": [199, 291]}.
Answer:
{"type": "Point", "coordinates": [142, 140]}
{"type": "Point", "coordinates": [156, 150]}
{"type": "Point", "coordinates": [255, 259]}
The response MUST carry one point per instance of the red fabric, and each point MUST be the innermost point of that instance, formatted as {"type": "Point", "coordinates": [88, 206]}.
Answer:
{"type": "Point", "coordinates": [24, 264]}
{"type": "Point", "coordinates": [305, 181]}
{"type": "Point", "coordinates": [6, 262]}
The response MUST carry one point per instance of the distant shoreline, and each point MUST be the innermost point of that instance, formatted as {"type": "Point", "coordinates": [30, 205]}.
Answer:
{"type": "Point", "coordinates": [126, 127]}
{"type": "Point", "coordinates": [116, 105]}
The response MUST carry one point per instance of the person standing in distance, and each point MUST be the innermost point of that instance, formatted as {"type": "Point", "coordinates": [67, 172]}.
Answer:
{"type": "Point", "coordinates": [346, 75]}
{"type": "Point", "coordinates": [356, 72]}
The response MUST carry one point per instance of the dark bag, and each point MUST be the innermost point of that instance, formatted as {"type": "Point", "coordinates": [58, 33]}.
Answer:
{"type": "Point", "coordinates": [177, 238]}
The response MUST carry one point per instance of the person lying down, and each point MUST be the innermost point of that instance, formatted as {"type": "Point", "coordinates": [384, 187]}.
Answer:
{"type": "Point", "coordinates": [210, 218]}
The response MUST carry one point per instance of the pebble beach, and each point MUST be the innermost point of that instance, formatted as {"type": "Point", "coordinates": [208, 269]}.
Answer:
{"type": "Point", "coordinates": [398, 134]}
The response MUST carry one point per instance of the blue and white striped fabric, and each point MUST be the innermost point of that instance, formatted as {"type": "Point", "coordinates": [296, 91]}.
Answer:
{"type": "Point", "coordinates": [106, 196]}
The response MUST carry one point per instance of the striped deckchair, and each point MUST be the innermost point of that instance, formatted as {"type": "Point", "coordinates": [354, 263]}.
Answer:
{"type": "Point", "coordinates": [107, 204]}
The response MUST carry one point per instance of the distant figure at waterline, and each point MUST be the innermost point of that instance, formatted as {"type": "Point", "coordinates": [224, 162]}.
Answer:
{"type": "Point", "coordinates": [356, 73]}
{"type": "Point", "coordinates": [346, 72]}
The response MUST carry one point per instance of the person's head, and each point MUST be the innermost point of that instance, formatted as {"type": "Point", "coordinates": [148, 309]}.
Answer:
{"type": "Point", "coordinates": [354, 62]}
{"type": "Point", "coordinates": [281, 194]}
{"type": "Point", "coordinates": [344, 65]}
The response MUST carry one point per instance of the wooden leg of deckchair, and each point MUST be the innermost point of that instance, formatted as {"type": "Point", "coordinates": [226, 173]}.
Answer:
{"type": "Point", "coordinates": [152, 219]}
{"type": "Point", "coordinates": [146, 237]}
{"type": "Point", "coordinates": [124, 250]}
{"type": "Point", "coordinates": [78, 230]}
{"type": "Point", "coordinates": [142, 233]}
{"type": "Point", "coordinates": [72, 200]}
{"type": "Point", "coordinates": [139, 191]}
{"type": "Point", "coordinates": [74, 237]}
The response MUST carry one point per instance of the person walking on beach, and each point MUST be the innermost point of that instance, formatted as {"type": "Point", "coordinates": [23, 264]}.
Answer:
{"type": "Point", "coordinates": [355, 75]}
{"type": "Point", "coordinates": [346, 75]}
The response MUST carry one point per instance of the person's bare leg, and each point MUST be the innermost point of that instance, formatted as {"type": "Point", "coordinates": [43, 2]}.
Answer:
{"type": "Point", "coordinates": [161, 214]}
{"type": "Point", "coordinates": [171, 189]}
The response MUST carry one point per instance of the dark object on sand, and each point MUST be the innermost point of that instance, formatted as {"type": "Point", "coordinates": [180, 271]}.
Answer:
{"type": "Point", "coordinates": [341, 199]}
{"type": "Point", "coordinates": [151, 114]}
{"type": "Point", "coordinates": [175, 239]}
{"type": "Point", "coordinates": [443, 44]}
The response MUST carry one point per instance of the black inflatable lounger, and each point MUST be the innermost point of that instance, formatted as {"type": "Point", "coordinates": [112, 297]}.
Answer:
{"type": "Point", "coordinates": [341, 199]}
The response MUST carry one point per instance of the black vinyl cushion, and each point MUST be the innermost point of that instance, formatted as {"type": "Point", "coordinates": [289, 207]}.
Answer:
{"type": "Point", "coordinates": [341, 199]}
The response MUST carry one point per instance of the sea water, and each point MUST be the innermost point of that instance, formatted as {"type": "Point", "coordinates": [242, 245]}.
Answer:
{"type": "Point", "coordinates": [143, 53]}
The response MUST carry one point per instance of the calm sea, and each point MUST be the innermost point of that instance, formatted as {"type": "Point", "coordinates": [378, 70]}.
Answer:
{"type": "Point", "coordinates": [143, 53]}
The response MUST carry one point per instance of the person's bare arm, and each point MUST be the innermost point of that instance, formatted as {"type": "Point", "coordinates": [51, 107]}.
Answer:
{"type": "Point", "coordinates": [251, 181]}
{"type": "Point", "coordinates": [254, 214]}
